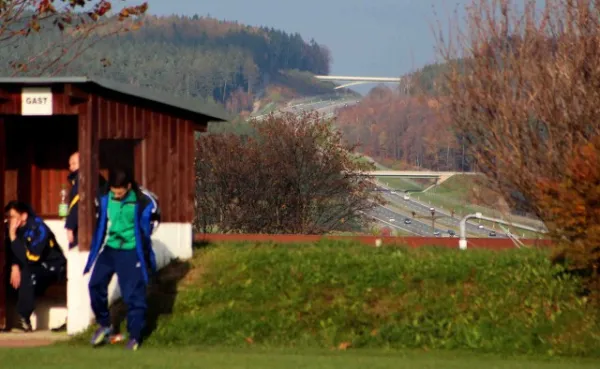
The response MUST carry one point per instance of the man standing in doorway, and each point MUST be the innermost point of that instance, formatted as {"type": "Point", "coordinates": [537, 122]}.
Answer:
{"type": "Point", "coordinates": [127, 216]}
{"type": "Point", "coordinates": [71, 223]}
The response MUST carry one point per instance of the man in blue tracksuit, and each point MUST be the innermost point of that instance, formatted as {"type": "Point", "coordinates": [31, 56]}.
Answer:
{"type": "Point", "coordinates": [127, 216]}
{"type": "Point", "coordinates": [36, 259]}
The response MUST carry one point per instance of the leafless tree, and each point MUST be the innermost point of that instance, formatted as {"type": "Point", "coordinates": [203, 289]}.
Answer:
{"type": "Point", "coordinates": [524, 89]}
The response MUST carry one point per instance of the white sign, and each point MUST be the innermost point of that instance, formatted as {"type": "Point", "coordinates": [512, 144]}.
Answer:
{"type": "Point", "coordinates": [36, 101]}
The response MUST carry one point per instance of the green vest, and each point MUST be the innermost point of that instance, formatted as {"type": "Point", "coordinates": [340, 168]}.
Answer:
{"type": "Point", "coordinates": [121, 226]}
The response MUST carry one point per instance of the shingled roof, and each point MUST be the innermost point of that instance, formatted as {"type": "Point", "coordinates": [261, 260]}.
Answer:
{"type": "Point", "coordinates": [185, 104]}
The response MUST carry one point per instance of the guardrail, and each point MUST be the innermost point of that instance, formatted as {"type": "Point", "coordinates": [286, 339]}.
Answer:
{"type": "Point", "coordinates": [462, 243]}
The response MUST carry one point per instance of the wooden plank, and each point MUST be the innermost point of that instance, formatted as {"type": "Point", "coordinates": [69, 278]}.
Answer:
{"type": "Point", "coordinates": [120, 121]}
{"type": "Point", "coordinates": [180, 170]}
{"type": "Point", "coordinates": [183, 169]}
{"type": "Point", "coordinates": [139, 162]}
{"type": "Point", "coordinates": [173, 178]}
{"type": "Point", "coordinates": [3, 261]}
{"type": "Point", "coordinates": [136, 121]}
{"type": "Point", "coordinates": [165, 178]}
{"type": "Point", "coordinates": [112, 122]}
{"type": "Point", "coordinates": [152, 153]}
{"type": "Point", "coordinates": [88, 170]}
{"type": "Point", "coordinates": [10, 103]}
{"type": "Point", "coordinates": [11, 177]}
{"type": "Point", "coordinates": [129, 121]}
{"type": "Point", "coordinates": [103, 118]}
{"type": "Point", "coordinates": [34, 180]}
{"type": "Point", "coordinates": [24, 188]}
{"type": "Point", "coordinates": [190, 171]}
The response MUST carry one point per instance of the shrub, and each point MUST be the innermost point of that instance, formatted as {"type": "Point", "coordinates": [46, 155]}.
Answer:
{"type": "Point", "coordinates": [294, 176]}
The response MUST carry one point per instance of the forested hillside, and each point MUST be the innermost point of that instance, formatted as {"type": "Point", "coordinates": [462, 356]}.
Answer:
{"type": "Point", "coordinates": [190, 56]}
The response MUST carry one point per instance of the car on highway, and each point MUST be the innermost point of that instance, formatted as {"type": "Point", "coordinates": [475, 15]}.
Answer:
{"type": "Point", "coordinates": [406, 197]}
{"type": "Point", "coordinates": [451, 233]}
{"type": "Point", "coordinates": [392, 220]}
{"type": "Point", "coordinates": [407, 221]}
{"type": "Point", "coordinates": [437, 233]}
{"type": "Point", "coordinates": [492, 234]}
{"type": "Point", "coordinates": [480, 226]}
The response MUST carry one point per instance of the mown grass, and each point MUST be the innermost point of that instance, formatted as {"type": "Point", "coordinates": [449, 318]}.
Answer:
{"type": "Point", "coordinates": [400, 184]}
{"type": "Point", "coordinates": [330, 294]}
{"type": "Point", "coordinates": [61, 357]}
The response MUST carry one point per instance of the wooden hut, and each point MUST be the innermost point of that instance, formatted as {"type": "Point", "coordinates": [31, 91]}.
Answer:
{"type": "Point", "coordinates": [44, 120]}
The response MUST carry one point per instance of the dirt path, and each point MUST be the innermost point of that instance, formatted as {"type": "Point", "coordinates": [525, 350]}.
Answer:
{"type": "Point", "coordinates": [35, 339]}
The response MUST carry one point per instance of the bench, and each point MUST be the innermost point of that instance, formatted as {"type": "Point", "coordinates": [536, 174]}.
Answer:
{"type": "Point", "coordinates": [50, 310]}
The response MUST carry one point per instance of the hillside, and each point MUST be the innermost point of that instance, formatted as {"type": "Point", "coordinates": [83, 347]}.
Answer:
{"type": "Point", "coordinates": [220, 61]}
{"type": "Point", "coordinates": [403, 131]}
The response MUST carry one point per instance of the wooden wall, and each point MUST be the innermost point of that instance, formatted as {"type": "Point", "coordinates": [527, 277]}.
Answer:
{"type": "Point", "coordinates": [156, 140]}
{"type": "Point", "coordinates": [4, 277]}
{"type": "Point", "coordinates": [163, 152]}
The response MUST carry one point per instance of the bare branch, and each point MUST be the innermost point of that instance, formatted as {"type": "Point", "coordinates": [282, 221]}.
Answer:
{"type": "Point", "coordinates": [69, 27]}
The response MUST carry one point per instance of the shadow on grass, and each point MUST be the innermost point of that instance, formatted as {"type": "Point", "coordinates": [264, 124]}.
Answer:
{"type": "Point", "coordinates": [199, 245]}
{"type": "Point", "coordinates": [162, 292]}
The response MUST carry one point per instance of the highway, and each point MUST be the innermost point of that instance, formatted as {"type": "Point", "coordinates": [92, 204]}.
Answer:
{"type": "Point", "coordinates": [382, 215]}
{"type": "Point", "coordinates": [416, 226]}
{"type": "Point", "coordinates": [326, 108]}
{"type": "Point", "coordinates": [424, 209]}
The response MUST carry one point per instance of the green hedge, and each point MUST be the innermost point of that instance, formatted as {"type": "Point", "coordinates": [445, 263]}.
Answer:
{"type": "Point", "coordinates": [328, 293]}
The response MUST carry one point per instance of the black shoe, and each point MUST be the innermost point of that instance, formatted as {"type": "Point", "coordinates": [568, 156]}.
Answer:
{"type": "Point", "coordinates": [25, 325]}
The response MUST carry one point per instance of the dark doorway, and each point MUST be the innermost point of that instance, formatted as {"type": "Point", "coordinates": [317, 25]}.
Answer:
{"type": "Point", "coordinates": [118, 153]}
{"type": "Point", "coordinates": [37, 155]}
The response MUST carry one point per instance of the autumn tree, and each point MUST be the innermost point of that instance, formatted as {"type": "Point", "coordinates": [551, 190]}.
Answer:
{"type": "Point", "coordinates": [81, 23]}
{"type": "Point", "coordinates": [410, 131]}
{"type": "Point", "coordinates": [526, 96]}
{"type": "Point", "coordinates": [293, 175]}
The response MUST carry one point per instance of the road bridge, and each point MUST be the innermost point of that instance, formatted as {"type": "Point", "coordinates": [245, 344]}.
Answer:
{"type": "Point", "coordinates": [358, 80]}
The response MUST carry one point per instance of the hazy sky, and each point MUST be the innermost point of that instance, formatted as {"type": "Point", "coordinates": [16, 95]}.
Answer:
{"type": "Point", "coordinates": [366, 37]}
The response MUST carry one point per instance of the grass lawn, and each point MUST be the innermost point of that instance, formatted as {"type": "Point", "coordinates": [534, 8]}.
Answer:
{"type": "Point", "coordinates": [402, 184]}
{"type": "Point", "coordinates": [63, 356]}
{"type": "Point", "coordinates": [251, 305]}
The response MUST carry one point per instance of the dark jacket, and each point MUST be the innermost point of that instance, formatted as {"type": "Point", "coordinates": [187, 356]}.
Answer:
{"type": "Point", "coordinates": [72, 221]}
{"type": "Point", "coordinates": [35, 244]}
{"type": "Point", "coordinates": [146, 220]}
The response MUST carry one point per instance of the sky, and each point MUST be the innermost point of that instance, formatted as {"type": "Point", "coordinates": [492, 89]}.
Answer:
{"type": "Point", "coordinates": [376, 38]}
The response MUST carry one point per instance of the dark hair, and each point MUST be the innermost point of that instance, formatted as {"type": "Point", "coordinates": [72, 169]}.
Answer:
{"type": "Point", "coordinates": [120, 177]}
{"type": "Point", "coordinates": [18, 206]}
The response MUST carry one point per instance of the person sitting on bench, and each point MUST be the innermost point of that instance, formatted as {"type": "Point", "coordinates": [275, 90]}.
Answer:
{"type": "Point", "coordinates": [37, 261]}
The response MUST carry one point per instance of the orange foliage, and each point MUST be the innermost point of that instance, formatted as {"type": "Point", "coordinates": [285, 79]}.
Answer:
{"type": "Point", "coordinates": [572, 207]}
{"type": "Point", "coordinates": [240, 101]}
{"type": "Point", "coordinates": [390, 125]}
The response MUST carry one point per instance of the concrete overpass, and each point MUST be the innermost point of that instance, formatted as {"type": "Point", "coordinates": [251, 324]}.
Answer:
{"type": "Point", "coordinates": [417, 174]}
{"type": "Point", "coordinates": [358, 80]}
